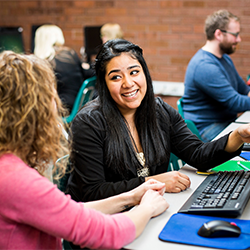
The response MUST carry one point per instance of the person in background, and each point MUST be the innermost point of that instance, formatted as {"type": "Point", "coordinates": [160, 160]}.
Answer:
{"type": "Point", "coordinates": [34, 213]}
{"type": "Point", "coordinates": [125, 136]}
{"type": "Point", "coordinates": [111, 31]}
{"type": "Point", "coordinates": [69, 70]}
{"type": "Point", "coordinates": [214, 92]}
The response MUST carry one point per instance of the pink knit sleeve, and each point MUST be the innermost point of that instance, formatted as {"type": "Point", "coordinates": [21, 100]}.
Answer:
{"type": "Point", "coordinates": [111, 231]}
{"type": "Point", "coordinates": [31, 199]}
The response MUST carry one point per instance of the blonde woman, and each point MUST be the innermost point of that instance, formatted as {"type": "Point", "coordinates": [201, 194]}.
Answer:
{"type": "Point", "coordinates": [34, 214]}
{"type": "Point", "coordinates": [111, 31]}
{"type": "Point", "coordinates": [70, 74]}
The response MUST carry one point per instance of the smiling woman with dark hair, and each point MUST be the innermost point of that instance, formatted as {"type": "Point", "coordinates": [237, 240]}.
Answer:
{"type": "Point", "coordinates": [125, 137]}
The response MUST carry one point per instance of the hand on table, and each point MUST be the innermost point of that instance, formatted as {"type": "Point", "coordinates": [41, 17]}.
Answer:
{"type": "Point", "coordinates": [244, 132]}
{"type": "Point", "coordinates": [157, 203]}
{"type": "Point", "coordinates": [238, 137]}
{"type": "Point", "coordinates": [151, 184]}
{"type": "Point", "coordinates": [175, 181]}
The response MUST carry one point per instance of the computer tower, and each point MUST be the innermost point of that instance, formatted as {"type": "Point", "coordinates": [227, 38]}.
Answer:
{"type": "Point", "coordinates": [92, 41]}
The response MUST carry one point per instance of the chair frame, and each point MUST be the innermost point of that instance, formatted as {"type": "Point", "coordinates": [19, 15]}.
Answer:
{"type": "Point", "coordinates": [84, 95]}
{"type": "Point", "coordinates": [175, 163]}
{"type": "Point", "coordinates": [62, 183]}
{"type": "Point", "coordinates": [190, 124]}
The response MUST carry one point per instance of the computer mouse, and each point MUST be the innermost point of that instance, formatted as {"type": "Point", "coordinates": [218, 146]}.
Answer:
{"type": "Point", "coordinates": [219, 228]}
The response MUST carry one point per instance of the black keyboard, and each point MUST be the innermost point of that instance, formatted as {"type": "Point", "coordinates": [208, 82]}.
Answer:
{"type": "Point", "coordinates": [246, 146]}
{"type": "Point", "coordinates": [222, 194]}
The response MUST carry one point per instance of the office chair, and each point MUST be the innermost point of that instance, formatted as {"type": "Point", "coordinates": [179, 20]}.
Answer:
{"type": "Point", "coordinates": [248, 79]}
{"type": "Point", "coordinates": [175, 163]}
{"type": "Point", "coordinates": [61, 185]}
{"type": "Point", "coordinates": [190, 124]}
{"type": "Point", "coordinates": [84, 95]}
{"type": "Point", "coordinates": [62, 182]}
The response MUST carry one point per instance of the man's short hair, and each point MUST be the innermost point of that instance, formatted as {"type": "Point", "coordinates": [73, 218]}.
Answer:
{"type": "Point", "coordinates": [218, 20]}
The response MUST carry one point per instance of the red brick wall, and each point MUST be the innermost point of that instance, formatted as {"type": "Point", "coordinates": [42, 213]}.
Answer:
{"type": "Point", "coordinates": [170, 32]}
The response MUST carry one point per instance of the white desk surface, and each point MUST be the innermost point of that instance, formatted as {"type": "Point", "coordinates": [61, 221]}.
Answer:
{"type": "Point", "coordinates": [244, 118]}
{"type": "Point", "coordinates": [231, 127]}
{"type": "Point", "coordinates": [149, 240]}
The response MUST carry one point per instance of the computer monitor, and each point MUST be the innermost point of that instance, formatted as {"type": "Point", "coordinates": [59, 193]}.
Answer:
{"type": "Point", "coordinates": [33, 32]}
{"type": "Point", "coordinates": [11, 38]}
{"type": "Point", "coordinates": [92, 40]}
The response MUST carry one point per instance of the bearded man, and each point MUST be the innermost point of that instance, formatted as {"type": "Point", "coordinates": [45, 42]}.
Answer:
{"type": "Point", "coordinates": [214, 91]}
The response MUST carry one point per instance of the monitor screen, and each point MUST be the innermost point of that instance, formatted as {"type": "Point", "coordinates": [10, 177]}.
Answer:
{"type": "Point", "coordinates": [11, 39]}
{"type": "Point", "coordinates": [92, 39]}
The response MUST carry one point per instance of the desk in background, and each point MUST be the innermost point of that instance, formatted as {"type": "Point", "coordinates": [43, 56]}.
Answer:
{"type": "Point", "coordinates": [244, 118]}
{"type": "Point", "coordinates": [231, 127]}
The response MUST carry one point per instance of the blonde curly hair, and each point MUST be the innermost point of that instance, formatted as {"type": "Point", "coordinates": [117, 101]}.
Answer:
{"type": "Point", "coordinates": [30, 112]}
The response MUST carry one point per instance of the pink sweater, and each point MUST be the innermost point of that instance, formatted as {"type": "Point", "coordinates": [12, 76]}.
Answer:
{"type": "Point", "coordinates": [34, 214]}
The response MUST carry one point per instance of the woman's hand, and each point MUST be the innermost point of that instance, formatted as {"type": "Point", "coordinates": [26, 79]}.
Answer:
{"type": "Point", "coordinates": [128, 199]}
{"type": "Point", "coordinates": [151, 184]}
{"type": "Point", "coordinates": [238, 137]}
{"type": "Point", "coordinates": [175, 181]}
{"type": "Point", "coordinates": [151, 205]}
{"type": "Point", "coordinates": [156, 202]}
{"type": "Point", "coordinates": [244, 132]}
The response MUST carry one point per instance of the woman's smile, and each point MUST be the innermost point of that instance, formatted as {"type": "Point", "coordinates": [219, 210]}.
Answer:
{"type": "Point", "coordinates": [131, 94]}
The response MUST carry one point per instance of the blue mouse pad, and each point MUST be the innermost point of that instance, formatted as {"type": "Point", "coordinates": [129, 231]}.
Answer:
{"type": "Point", "coordinates": [183, 228]}
{"type": "Point", "coordinates": [245, 155]}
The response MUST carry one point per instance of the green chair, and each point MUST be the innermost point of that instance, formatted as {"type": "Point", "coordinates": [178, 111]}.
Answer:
{"type": "Point", "coordinates": [66, 245]}
{"type": "Point", "coordinates": [62, 183]}
{"type": "Point", "coordinates": [84, 95]}
{"type": "Point", "coordinates": [248, 79]}
{"type": "Point", "coordinates": [190, 124]}
{"type": "Point", "coordinates": [175, 163]}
